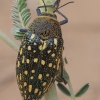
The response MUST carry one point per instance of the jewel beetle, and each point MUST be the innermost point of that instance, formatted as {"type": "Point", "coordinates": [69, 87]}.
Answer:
{"type": "Point", "coordinates": [40, 55]}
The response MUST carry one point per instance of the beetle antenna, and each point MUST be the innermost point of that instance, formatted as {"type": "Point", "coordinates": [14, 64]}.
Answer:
{"type": "Point", "coordinates": [66, 4]}
{"type": "Point", "coordinates": [44, 5]}
{"type": "Point", "coordinates": [56, 4]}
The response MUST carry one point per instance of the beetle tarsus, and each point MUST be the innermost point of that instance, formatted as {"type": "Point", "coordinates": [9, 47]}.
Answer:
{"type": "Point", "coordinates": [23, 30]}
{"type": "Point", "coordinates": [65, 82]}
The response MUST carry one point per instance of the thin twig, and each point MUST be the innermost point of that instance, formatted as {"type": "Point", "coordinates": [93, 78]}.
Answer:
{"type": "Point", "coordinates": [8, 41]}
{"type": "Point", "coordinates": [71, 90]}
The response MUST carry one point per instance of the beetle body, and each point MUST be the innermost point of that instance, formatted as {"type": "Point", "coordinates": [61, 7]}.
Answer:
{"type": "Point", "coordinates": [39, 58]}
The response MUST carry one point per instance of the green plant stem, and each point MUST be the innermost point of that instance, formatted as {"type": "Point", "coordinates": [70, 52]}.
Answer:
{"type": "Point", "coordinates": [8, 41]}
{"type": "Point", "coordinates": [71, 89]}
{"type": "Point", "coordinates": [51, 94]}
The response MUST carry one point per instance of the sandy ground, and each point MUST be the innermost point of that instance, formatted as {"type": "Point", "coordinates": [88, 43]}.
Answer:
{"type": "Point", "coordinates": [82, 48]}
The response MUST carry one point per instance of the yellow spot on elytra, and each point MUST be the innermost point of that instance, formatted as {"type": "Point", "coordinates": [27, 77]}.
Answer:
{"type": "Point", "coordinates": [40, 47]}
{"type": "Point", "coordinates": [49, 51]}
{"type": "Point", "coordinates": [24, 91]}
{"type": "Point", "coordinates": [21, 86]}
{"type": "Point", "coordinates": [25, 84]}
{"type": "Point", "coordinates": [58, 64]}
{"type": "Point", "coordinates": [34, 43]}
{"type": "Point", "coordinates": [30, 88]}
{"type": "Point", "coordinates": [28, 61]}
{"type": "Point", "coordinates": [50, 43]}
{"type": "Point", "coordinates": [18, 63]}
{"type": "Point", "coordinates": [53, 55]}
{"type": "Point", "coordinates": [24, 96]}
{"type": "Point", "coordinates": [23, 46]}
{"type": "Point", "coordinates": [54, 66]}
{"type": "Point", "coordinates": [41, 40]}
{"type": "Point", "coordinates": [20, 77]}
{"type": "Point", "coordinates": [58, 67]}
{"type": "Point", "coordinates": [21, 92]}
{"type": "Point", "coordinates": [17, 77]}
{"type": "Point", "coordinates": [44, 45]}
{"type": "Point", "coordinates": [55, 41]}
{"type": "Point", "coordinates": [21, 51]}
{"type": "Point", "coordinates": [33, 71]}
{"type": "Point", "coordinates": [47, 75]}
{"type": "Point", "coordinates": [44, 84]}
{"type": "Point", "coordinates": [36, 90]}
{"type": "Point", "coordinates": [34, 51]}
{"type": "Point", "coordinates": [40, 93]}
{"type": "Point", "coordinates": [23, 59]}
{"type": "Point", "coordinates": [31, 77]}
{"type": "Point", "coordinates": [55, 48]}
{"type": "Point", "coordinates": [42, 62]}
{"type": "Point", "coordinates": [40, 76]}
{"type": "Point", "coordinates": [29, 97]}
{"type": "Point", "coordinates": [50, 64]}
{"type": "Point", "coordinates": [35, 59]}
{"type": "Point", "coordinates": [25, 72]}
{"type": "Point", "coordinates": [32, 36]}
{"type": "Point", "coordinates": [29, 47]}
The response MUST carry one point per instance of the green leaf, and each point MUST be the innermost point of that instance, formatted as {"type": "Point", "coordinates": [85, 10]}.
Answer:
{"type": "Point", "coordinates": [16, 19]}
{"type": "Point", "coordinates": [20, 1]}
{"type": "Point", "coordinates": [65, 74]}
{"type": "Point", "coordinates": [26, 14]}
{"type": "Point", "coordinates": [15, 15]}
{"type": "Point", "coordinates": [15, 7]}
{"type": "Point", "coordinates": [25, 10]}
{"type": "Point", "coordinates": [17, 24]}
{"type": "Point", "coordinates": [63, 89]}
{"type": "Point", "coordinates": [15, 10]}
{"type": "Point", "coordinates": [14, 30]}
{"type": "Point", "coordinates": [82, 90]}
{"type": "Point", "coordinates": [22, 6]}
{"type": "Point", "coordinates": [26, 19]}
{"type": "Point", "coordinates": [18, 35]}
{"type": "Point", "coordinates": [21, 15]}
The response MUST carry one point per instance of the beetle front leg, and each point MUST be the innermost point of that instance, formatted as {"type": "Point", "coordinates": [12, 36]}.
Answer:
{"type": "Point", "coordinates": [38, 11]}
{"type": "Point", "coordinates": [23, 30]}
{"type": "Point", "coordinates": [63, 21]}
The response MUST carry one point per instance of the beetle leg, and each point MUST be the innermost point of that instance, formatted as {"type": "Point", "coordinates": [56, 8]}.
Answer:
{"type": "Point", "coordinates": [23, 30]}
{"type": "Point", "coordinates": [38, 11]}
{"type": "Point", "coordinates": [63, 21]}
{"type": "Point", "coordinates": [56, 4]}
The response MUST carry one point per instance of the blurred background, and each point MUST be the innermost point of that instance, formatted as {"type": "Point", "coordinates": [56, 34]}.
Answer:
{"type": "Point", "coordinates": [82, 48]}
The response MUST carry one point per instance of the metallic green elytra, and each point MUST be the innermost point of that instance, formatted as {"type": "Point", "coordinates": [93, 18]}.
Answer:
{"type": "Point", "coordinates": [40, 56]}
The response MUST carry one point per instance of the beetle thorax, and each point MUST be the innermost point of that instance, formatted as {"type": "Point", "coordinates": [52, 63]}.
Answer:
{"type": "Point", "coordinates": [46, 27]}
{"type": "Point", "coordinates": [48, 14]}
